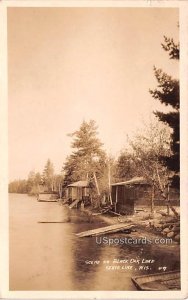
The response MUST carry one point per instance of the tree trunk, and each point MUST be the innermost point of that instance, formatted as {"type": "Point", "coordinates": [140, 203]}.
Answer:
{"type": "Point", "coordinates": [96, 183]}
{"type": "Point", "coordinates": [52, 186]}
{"type": "Point", "coordinates": [169, 205]}
{"type": "Point", "coordinates": [152, 197]}
{"type": "Point", "coordinates": [174, 211]}
{"type": "Point", "coordinates": [168, 200]}
{"type": "Point", "coordinates": [60, 190]}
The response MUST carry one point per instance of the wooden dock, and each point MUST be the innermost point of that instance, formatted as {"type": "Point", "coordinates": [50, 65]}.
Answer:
{"type": "Point", "coordinates": [106, 230]}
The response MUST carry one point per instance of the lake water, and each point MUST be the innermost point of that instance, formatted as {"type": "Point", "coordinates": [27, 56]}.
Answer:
{"type": "Point", "coordinates": [49, 256]}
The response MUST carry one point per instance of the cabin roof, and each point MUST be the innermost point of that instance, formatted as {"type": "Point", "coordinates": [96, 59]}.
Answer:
{"type": "Point", "coordinates": [134, 181]}
{"type": "Point", "coordinates": [81, 183]}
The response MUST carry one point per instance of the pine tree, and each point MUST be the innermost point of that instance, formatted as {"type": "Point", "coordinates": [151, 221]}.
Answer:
{"type": "Point", "coordinates": [48, 175]}
{"type": "Point", "coordinates": [167, 92]}
{"type": "Point", "coordinates": [87, 157]}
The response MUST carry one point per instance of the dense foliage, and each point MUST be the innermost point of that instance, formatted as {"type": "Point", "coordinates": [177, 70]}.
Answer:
{"type": "Point", "coordinates": [167, 92]}
{"type": "Point", "coordinates": [32, 184]}
{"type": "Point", "coordinates": [19, 186]}
{"type": "Point", "coordinates": [87, 157]}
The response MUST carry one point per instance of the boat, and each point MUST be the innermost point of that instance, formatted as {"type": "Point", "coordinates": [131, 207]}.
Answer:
{"type": "Point", "coordinates": [47, 197]}
{"type": "Point", "coordinates": [158, 281]}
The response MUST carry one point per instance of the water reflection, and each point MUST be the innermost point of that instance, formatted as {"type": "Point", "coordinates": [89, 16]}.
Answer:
{"type": "Point", "coordinates": [45, 256]}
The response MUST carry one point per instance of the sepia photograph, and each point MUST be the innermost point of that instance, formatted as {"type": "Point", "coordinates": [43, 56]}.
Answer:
{"type": "Point", "coordinates": [94, 148]}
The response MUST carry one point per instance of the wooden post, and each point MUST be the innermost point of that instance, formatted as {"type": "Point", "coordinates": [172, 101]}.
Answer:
{"type": "Point", "coordinates": [109, 182]}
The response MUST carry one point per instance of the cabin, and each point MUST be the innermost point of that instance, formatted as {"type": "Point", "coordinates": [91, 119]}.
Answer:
{"type": "Point", "coordinates": [124, 195]}
{"type": "Point", "coordinates": [80, 190]}
{"type": "Point", "coordinates": [136, 193]}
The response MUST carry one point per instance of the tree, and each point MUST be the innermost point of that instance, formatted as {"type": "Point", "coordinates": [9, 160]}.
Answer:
{"type": "Point", "coordinates": [108, 175]}
{"type": "Point", "coordinates": [37, 179]}
{"type": "Point", "coordinates": [58, 184]}
{"type": "Point", "coordinates": [148, 146]}
{"type": "Point", "coordinates": [31, 181]}
{"type": "Point", "coordinates": [48, 176]}
{"type": "Point", "coordinates": [167, 92]}
{"type": "Point", "coordinates": [30, 186]}
{"type": "Point", "coordinates": [125, 167]}
{"type": "Point", "coordinates": [18, 186]}
{"type": "Point", "coordinates": [87, 160]}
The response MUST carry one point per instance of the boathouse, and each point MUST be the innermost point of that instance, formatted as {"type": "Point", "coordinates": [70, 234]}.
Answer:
{"type": "Point", "coordinates": [125, 194]}
{"type": "Point", "coordinates": [79, 190]}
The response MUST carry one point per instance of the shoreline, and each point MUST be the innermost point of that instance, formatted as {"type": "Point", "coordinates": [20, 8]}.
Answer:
{"type": "Point", "coordinates": [142, 230]}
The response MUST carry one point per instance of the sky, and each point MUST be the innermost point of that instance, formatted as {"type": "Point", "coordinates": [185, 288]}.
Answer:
{"type": "Point", "coordinates": [66, 65]}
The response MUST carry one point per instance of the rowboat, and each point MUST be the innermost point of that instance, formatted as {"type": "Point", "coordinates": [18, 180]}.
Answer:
{"type": "Point", "coordinates": [47, 197]}
{"type": "Point", "coordinates": [158, 281]}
